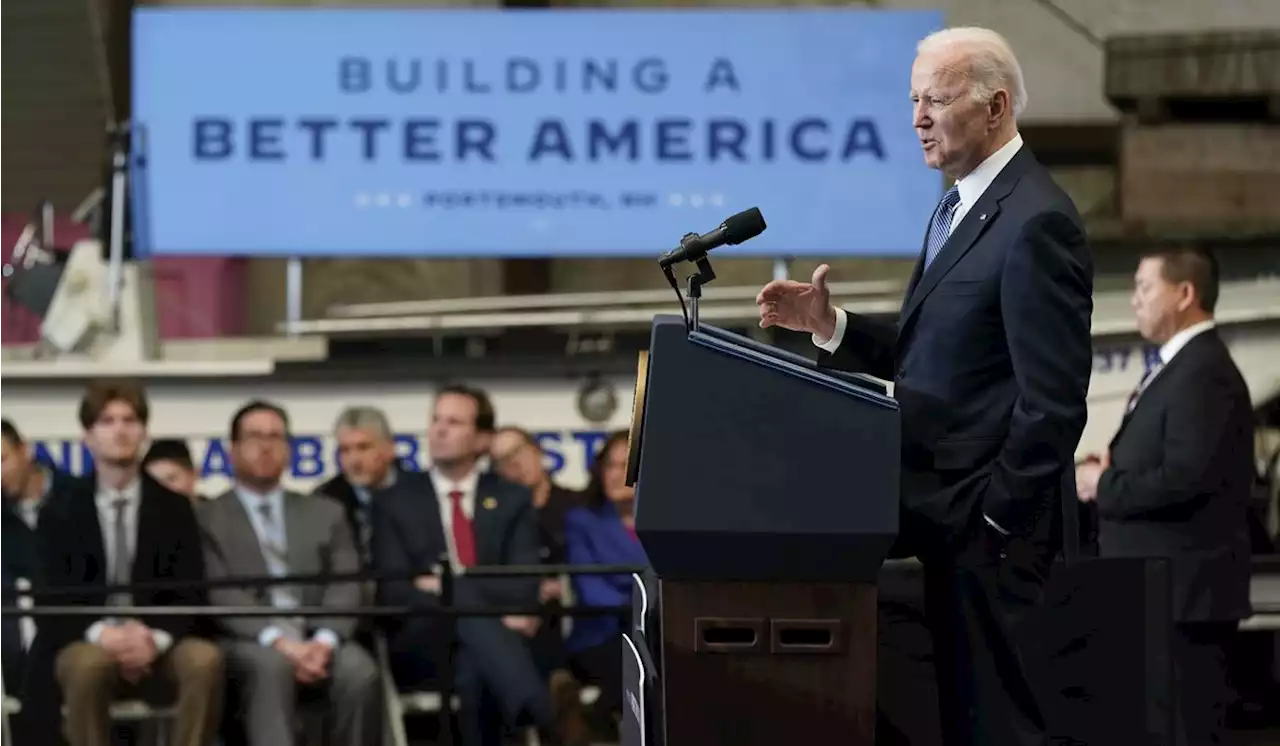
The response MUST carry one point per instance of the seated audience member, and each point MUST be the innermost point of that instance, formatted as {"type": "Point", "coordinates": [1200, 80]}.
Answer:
{"type": "Point", "coordinates": [28, 487]}
{"type": "Point", "coordinates": [602, 532]}
{"type": "Point", "coordinates": [517, 457]}
{"type": "Point", "coordinates": [473, 518]}
{"type": "Point", "coordinates": [127, 528]}
{"type": "Point", "coordinates": [168, 461]}
{"type": "Point", "coordinates": [367, 459]}
{"type": "Point", "coordinates": [255, 529]}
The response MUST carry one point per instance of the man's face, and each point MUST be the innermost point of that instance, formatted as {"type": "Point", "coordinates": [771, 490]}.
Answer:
{"type": "Point", "coordinates": [174, 475]}
{"type": "Point", "coordinates": [15, 465]}
{"type": "Point", "coordinates": [1158, 303]}
{"type": "Point", "coordinates": [954, 129]}
{"type": "Point", "coordinates": [452, 437]}
{"type": "Point", "coordinates": [262, 447]}
{"type": "Point", "coordinates": [364, 456]}
{"type": "Point", "coordinates": [517, 460]}
{"type": "Point", "coordinates": [116, 436]}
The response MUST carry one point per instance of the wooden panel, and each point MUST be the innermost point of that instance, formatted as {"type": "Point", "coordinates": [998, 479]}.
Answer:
{"type": "Point", "coordinates": [1193, 65]}
{"type": "Point", "coordinates": [200, 297]}
{"type": "Point", "coordinates": [319, 3]}
{"type": "Point", "coordinates": [1184, 173]}
{"type": "Point", "coordinates": [328, 282]}
{"type": "Point", "coordinates": [758, 691]}
{"type": "Point", "coordinates": [55, 104]}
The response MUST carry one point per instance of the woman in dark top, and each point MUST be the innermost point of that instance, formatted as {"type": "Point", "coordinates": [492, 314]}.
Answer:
{"type": "Point", "coordinates": [602, 532]}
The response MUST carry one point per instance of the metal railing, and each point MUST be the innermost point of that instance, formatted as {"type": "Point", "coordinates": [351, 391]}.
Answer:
{"type": "Point", "coordinates": [569, 310]}
{"type": "Point", "coordinates": [445, 608]}
{"type": "Point", "coordinates": [1242, 302]}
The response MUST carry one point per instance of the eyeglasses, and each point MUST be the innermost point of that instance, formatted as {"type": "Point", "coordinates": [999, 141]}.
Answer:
{"type": "Point", "coordinates": [263, 439]}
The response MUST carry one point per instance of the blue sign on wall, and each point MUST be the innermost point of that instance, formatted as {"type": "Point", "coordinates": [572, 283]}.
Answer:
{"type": "Point", "coordinates": [464, 133]}
{"type": "Point", "coordinates": [311, 458]}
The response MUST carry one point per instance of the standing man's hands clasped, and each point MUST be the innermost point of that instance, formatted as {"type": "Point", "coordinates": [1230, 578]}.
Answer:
{"type": "Point", "coordinates": [799, 306]}
{"type": "Point", "coordinates": [1088, 474]}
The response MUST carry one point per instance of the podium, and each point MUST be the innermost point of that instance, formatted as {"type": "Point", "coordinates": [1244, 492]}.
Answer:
{"type": "Point", "coordinates": [766, 500]}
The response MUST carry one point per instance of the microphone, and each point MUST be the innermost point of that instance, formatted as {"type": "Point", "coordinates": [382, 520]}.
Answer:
{"type": "Point", "coordinates": [744, 226]}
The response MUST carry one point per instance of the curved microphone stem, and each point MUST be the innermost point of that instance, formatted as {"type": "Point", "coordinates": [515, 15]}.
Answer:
{"type": "Point", "coordinates": [695, 293]}
{"type": "Point", "coordinates": [704, 275]}
{"type": "Point", "coordinates": [670, 274]}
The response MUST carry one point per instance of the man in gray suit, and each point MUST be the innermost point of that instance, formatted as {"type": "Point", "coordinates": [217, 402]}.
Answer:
{"type": "Point", "coordinates": [257, 529]}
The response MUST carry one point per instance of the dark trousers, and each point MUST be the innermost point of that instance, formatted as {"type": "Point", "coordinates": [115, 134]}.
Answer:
{"type": "Point", "coordinates": [547, 646]}
{"type": "Point", "coordinates": [906, 680]}
{"type": "Point", "coordinates": [13, 658]}
{"type": "Point", "coordinates": [1201, 684]}
{"type": "Point", "coordinates": [601, 667]}
{"type": "Point", "coordinates": [495, 675]}
{"type": "Point", "coordinates": [979, 593]}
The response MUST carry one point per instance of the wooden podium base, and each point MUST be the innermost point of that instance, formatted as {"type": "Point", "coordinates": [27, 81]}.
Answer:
{"type": "Point", "coordinates": [768, 663]}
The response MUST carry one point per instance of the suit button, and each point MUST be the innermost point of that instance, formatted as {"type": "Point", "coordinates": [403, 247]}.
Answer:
{"type": "Point", "coordinates": [902, 373]}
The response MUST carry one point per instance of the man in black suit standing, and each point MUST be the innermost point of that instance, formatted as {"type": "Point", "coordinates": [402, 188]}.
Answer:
{"type": "Point", "coordinates": [473, 518]}
{"type": "Point", "coordinates": [990, 360]}
{"type": "Point", "coordinates": [1176, 482]}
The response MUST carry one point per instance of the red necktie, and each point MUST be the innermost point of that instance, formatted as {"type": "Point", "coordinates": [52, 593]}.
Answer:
{"type": "Point", "coordinates": [463, 540]}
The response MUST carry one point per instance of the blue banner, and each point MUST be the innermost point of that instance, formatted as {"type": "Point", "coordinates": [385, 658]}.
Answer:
{"type": "Point", "coordinates": [326, 132]}
{"type": "Point", "coordinates": [316, 456]}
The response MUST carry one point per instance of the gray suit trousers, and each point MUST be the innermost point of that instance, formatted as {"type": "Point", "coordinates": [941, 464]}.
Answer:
{"type": "Point", "coordinates": [268, 695]}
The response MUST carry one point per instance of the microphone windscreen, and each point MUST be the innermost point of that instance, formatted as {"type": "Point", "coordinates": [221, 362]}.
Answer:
{"type": "Point", "coordinates": [744, 226]}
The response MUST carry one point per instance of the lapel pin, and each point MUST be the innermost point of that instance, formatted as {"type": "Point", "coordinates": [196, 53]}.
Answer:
{"type": "Point", "coordinates": [489, 503]}
{"type": "Point", "coordinates": [983, 216]}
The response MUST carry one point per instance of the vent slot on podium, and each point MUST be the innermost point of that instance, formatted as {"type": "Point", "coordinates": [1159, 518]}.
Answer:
{"type": "Point", "coordinates": [811, 636]}
{"type": "Point", "coordinates": [721, 635]}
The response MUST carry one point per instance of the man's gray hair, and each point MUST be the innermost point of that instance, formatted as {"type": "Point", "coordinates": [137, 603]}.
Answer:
{"type": "Point", "coordinates": [364, 418]}
{"type": "Point", "coordinates": [992, 63]}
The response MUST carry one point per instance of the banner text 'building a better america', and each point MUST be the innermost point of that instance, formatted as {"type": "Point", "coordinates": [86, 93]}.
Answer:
{"type": "Point", "coordinates": [467, 133]}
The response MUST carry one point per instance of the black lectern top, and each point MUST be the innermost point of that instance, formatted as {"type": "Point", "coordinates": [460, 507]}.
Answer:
{"type": "Point", "coordinates": [754, 464]}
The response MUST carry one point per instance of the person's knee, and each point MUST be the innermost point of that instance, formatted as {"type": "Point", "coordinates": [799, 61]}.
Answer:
{"type": "Point", "coordinates": [197, 662]}
{"type": "Point", "coordinates": [354, 672]}
{"type": "Point", "coordinates": [84, 668]}
{"type": "Point", "coordinates": [259, 668]}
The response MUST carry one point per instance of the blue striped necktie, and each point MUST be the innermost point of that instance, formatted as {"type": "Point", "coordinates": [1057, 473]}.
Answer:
{"type": "Point", "coordinates": [940, 226]}
{"type": "Point", "coordinates": [1147, 378]}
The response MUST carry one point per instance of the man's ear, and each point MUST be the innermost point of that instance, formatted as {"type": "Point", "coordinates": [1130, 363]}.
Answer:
{"type": "Point", "coordinates": [999, 107]}
{"type": "Point", "coordinates": [1187, 296]}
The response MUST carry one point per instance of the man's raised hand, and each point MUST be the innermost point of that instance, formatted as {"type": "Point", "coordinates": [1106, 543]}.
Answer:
{"type": "Point", "coordinates": [799, 306]}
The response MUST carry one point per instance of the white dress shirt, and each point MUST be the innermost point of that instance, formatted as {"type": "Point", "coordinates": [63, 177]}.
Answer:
{"type": "Point", "coordinates": [443, 486]}
{"type": "Point", "coordinates": [971, 188]}
{"type": "Point", "coordinates": [29, 509]}
{"type": "Point", "coordinates": [104, 500]}
{"type": "Point", "coordinates": [274, 533]}
{"type": "Point", "coordinates": [1180, 340]}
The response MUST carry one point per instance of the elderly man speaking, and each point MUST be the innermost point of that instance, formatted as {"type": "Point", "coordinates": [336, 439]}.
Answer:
{"type": "Point", "coordinates": [990, 360]}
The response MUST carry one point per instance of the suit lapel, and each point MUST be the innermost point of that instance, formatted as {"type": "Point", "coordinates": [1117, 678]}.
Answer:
{"type": "Point", "coordinates": [430, 512]}
{"type": "Point", "coordinates": [91, 537]}
{"type": "Point", "coordinates": [239, 528]}
{"type": "Point", "coordinates": [484, 525]}
{"type": "Point", "coordinates": [982, 214]}
{"type": "Point", "coordinates": [142, 551]}
{"type": "Point", "coordinates": [298, 544]}
{"type": "Point", "coordinates": [1156, 384]}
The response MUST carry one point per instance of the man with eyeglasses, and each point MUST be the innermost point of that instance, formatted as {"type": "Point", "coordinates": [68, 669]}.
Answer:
{"type": "Point", "coordinates": [256, 529]}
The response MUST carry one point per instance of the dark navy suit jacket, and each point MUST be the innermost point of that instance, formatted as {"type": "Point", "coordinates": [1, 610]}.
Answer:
{"type": "Point", "coordinates": [597, 536]}
{"type": "Point", "coordinates": [1180, 481]}
{"type": "Point", "coordinates": [990, 357]}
